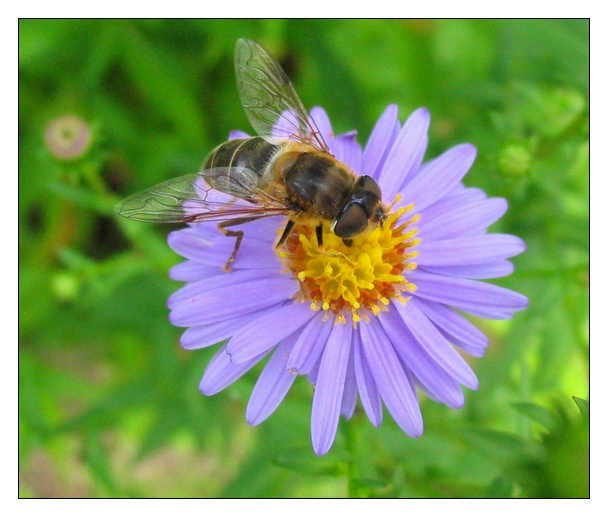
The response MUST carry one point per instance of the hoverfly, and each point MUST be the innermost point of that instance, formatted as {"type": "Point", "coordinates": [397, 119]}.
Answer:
{"type": "Point", "coordinates": [287, 170]}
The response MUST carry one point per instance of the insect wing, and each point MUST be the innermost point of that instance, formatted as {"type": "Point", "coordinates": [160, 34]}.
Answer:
{"type": "Point", "coordinates": [240, 182]}
{"type": "Point", "coordinates": [191, 199]}
{"type": "Point", "coordinates": [271, 103]}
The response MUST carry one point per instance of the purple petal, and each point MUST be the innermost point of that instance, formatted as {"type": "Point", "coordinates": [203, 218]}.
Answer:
{"type": "Point", "coordinates": [454, 400]}
{"type": "Point", "coordinates": [314, 371]}
{"type": "Point", "coordinates": [253, 253]}
{"type": "Point", "coordinates": [263, 229]}
{"type": "Point", "coordinates": [237, 134]}
{"type": "Point", "coordinates": [406, 154]}
{"type": "Point", "coordinates": [189, 271]}
{"type": "Point", "coordinates": [472, 296]}
{"type": "Point", "coordinates": [435, 345]}
{"type": "Point", "coordinates": [462, 251]}
{"type": "Point", "coordinates": [284, 127]}
{"type": "Point", "coordinates": [310, 344]}
{"type": "Point", "coordinates": [349, 399]}
{"type": "Point", "coordinates": [496, 269]}
{"type": "Point", "coordinates": [329, 388]}
{"type": "Point", "coordinates": [390, 378]}
{"type": "Point", "coordinates": [455, 327]}
{"type": "Point", "coordinates": [370, 398]}
{"type": "Point", "coordinates": [347, 150]}
{"type": "Point", "coordinates": [190, 292]}
{"type": "Point", "coordinates": [188, 243]}
{"type": "Point", "coordinates": [432, 377]}
{"type": "Point", "coordinates": [202, 336]}
{"type": "Point", "coordinates": [319, 115]}
{"type": "Point", "coordinates": [380, 141]}
{"type": "Point", "coordinates": [464, 215]}
{"type": "Point", "coordinates": [265, 332]}
{"type": "Point", "coordinates": [243, 299]}
{"type": "Point", "coordinates": [438, 176]}
{"type": "Point", "coordinates": [272, 385]}
{"type": "Point", "coordinates": [221, 372]}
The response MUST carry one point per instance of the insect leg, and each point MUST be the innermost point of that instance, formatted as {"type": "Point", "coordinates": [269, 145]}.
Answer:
{"type": "Point", "coordinates": [288, 229]}
{"type": "Point", "coordinates": [239, 234]}
{"type": "Point", "coordinates": [319, 231]}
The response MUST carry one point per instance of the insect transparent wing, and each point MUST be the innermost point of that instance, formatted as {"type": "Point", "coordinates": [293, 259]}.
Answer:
{"type": "Point", "coordinates": [271, 103]}
{"type": "Point", "coordinates": [240, 182]}
{"type": "Point", "coordinates": [192, 198]}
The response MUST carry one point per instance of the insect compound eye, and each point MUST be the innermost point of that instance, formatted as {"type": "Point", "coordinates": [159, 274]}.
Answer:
{"type": "Point", "coordinates": [351, 221]}
{"type": "Point", "coordinates": [368, 184]}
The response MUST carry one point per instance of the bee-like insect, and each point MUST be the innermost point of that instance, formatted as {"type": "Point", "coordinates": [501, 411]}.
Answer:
{"type": "Point", "coordinates": [287, 170]}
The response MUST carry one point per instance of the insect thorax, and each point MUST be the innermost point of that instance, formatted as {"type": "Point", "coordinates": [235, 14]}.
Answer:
{"type": "Point", "coordinates": [316, 184]}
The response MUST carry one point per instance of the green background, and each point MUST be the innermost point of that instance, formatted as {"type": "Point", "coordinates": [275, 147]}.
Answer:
{"type": "Point", "coordinates": [109, 403]}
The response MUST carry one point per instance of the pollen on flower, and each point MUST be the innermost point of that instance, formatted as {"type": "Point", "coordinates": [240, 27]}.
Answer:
{"type": "Point", "coordinates": [359, 279]}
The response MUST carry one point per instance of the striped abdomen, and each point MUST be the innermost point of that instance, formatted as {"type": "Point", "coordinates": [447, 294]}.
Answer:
{"type": "Point", "coordinates": [251, 155]}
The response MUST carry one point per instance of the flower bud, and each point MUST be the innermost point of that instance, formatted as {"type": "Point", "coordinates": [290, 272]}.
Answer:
{"type": "Point", "coordinates": [67, 137]}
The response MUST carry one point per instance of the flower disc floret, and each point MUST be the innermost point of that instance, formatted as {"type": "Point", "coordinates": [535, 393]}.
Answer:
{"type": "Point", "coordinates": [359, 278]}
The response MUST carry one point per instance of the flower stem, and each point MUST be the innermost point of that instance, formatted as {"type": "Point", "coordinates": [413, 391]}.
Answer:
{"type": "Point", "coordinates": [352, 437]}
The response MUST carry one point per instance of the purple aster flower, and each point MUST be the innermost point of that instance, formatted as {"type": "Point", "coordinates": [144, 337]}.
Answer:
{"type": "Point", "coordinates": [376, 320]}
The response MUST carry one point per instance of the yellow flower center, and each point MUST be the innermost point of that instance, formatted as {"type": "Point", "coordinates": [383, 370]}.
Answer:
{"type": "Point", "coordinates": [358, 279]}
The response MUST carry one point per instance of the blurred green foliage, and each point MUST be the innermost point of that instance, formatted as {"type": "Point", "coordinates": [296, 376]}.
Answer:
{"type": "Point", "coordinates": [109, 405]}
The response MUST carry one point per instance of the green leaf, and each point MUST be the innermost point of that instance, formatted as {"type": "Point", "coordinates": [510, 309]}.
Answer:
{"type": "Point", "coordinates": [548, 419]}
{"type": "Point", "coordinates": [583, 406]}
{"type": "Point", "coordinates": [301, 460]}
{"type": "Point", "coordinates": [96, 459]}
{"type": "Point", "coordinates": [506, 449]}
{"type": "Point", "coordinates": [500, 488]}
{"type": "Point", "coordinates": [85, 197]}
{"type": "Point", "coordinates": [162, 84]}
